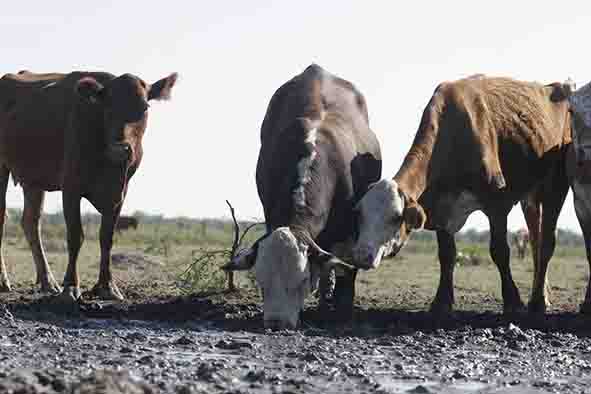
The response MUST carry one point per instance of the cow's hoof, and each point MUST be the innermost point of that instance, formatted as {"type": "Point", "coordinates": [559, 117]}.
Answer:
{"type": "Point", "coordinates": [69, 296]}
{"type": "Point", "coordinates": [536, 307]}
{"type": "Point", "coordinates": [5, 286]}
{"type": "Point", "coordinates": [585, 308]}
{"type": "Point", "coordinates": [441, 309]}
{"type": "Point", "coordinates": [105, 291]}
{"type": "Point", "coordinates": [51, 287]}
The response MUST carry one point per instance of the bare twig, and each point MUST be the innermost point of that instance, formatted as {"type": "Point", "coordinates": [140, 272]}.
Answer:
{"type": "Point", "coordinates": [231, 284]}
{"type": "Point", "coordinates": [238, 238]}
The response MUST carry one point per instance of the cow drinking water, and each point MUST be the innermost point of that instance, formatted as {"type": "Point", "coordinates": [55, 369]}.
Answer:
{"type": "Point", "coordinates": [318, 156]}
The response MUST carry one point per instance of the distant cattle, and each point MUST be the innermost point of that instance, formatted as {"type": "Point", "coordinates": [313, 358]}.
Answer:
{"type": "Point", "coordinates": [80, 133]}
{"type": "Point", "coordinates": [126, 223]}
{"type": "Point", "coordinates": [520, 239]}
{"type": "Point", "coordinates": [482, 144]}
{"type": "Point", "coordinates": [318, 156]}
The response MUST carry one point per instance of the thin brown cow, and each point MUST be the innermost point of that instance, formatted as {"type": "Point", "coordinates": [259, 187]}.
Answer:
{"type": "Point", "coordinates": [80, 133]}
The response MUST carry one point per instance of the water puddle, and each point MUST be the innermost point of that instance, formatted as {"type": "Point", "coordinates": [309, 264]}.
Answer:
{"type": "Point", "coordinates": [426, 386]}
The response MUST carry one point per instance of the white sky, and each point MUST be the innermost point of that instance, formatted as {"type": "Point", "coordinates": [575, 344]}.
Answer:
{"type": "Point", "coordinates": [201, 147]}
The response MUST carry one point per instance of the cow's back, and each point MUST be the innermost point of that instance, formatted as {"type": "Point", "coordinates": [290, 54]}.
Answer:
{"type": "Point", "coordinates": [512, 124]}
{"type": "Point", "coordinates": [35, 114]}
{"type": "Point", "coordinates": [314, 109]}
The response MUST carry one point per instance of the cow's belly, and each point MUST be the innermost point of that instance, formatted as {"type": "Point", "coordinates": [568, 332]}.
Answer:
{"type": "Point", "coordinates": [452, 210]}
{"type": "Point", "coordinates": [35, 162]}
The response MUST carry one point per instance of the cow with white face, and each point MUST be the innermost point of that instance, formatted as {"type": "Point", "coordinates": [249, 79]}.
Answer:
{"type": "Point", "coordinates": [482, 144]}
{"type": "Point", "coordinates": [318, 157]}
{"type": "Point", "coordinates": [579, 168]}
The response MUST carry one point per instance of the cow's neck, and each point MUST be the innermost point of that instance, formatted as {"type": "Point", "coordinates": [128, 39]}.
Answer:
{"type": "Point", "coordinates": [413, 175]}
{"type": "Point", "coordinates": [411, 178]}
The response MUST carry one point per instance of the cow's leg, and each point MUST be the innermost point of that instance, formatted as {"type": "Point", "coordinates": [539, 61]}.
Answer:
{"type": "Point", "coordinates": [105, 288]}
{"type": "Point", "coordinates": [31, 225]}
{"type": "Point", "coordinates": [344, 293]}
{"type": "Point", "coordinates": [4, 282]}
{"type": "Point", "coordinates": [500, 253]}
{"type": "Point", "coordinates": [444, 298]}
{"type": "Point", "coordinates": [75, 237]}
{"type": "Point", "coordinates": [532, 212]}
{"type": "Point", "coordinates": [552, 198]}
{"type": "Point", "coordinates": [582, 198]}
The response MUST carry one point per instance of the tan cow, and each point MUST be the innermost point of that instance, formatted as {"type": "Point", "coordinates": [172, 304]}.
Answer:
{"type": "Point", "coordinates": [482, 144]}
{"type": "Point", "coordinates": [80, 133]}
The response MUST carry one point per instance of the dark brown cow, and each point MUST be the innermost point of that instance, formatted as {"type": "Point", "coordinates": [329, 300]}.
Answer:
{"type": "Point", "coordinates": [126, 222]}
{"type": "Point", "coordinates": [482, 144]}
{"type": "Point", "coordinates": [80, 133]}
{"type": "Point", "coordinates": [318, 156]}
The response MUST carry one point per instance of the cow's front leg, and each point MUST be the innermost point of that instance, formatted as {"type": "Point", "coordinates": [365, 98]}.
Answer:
{"type": "Point", "coordinates": [75, 237]}
{"type": "Point", "coordinates": [444, 299]}
{"type": "Point", "coordinates": [105, 288]}
{"type": "Point", "coordinates": [500, 253]}
{"type": "Point", "coordinates": [344, 293]}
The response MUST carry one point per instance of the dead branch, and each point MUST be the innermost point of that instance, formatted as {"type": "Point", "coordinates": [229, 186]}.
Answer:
{"type": "Point", "coordinates": [238, 238]}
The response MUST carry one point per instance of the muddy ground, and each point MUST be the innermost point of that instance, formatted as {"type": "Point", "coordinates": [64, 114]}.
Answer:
{"type": "Point", "coordinates": [215, 344]}
{"type": "Point", "coordinates": [161, 341]}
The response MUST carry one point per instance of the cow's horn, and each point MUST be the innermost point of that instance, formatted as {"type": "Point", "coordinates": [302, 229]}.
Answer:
{"type": "Point", "coordinates": [325, 258]}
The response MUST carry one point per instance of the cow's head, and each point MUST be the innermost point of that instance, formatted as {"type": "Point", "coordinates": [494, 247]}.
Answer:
{"type": "Point", "coordinates": [124, 103]}
{"type": "Point", "coordinates": [385, 220]}
{"type": "Point", "coordinates": [580, 114]}
{"type": "Point", "coordinates": [288, 265]}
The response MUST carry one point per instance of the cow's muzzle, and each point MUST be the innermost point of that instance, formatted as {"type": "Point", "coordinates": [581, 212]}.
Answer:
{"type": "Point", "coordinates": [119, 153]}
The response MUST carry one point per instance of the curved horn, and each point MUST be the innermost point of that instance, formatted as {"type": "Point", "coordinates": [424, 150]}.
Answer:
{"type": "Point", "coordinates": [324, 258]}
{"type": "Point", "coordinates": [246, 258]}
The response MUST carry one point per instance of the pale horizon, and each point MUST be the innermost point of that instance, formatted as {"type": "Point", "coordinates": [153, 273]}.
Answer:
{"type": "Point", "coordinates": [201, 146]}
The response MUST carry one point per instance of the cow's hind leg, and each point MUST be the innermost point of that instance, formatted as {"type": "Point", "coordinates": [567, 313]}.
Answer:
{"type": "Point", "coordinates": [552, 199]}
{"type": "Point", "coordinates": [532, 212]}
{"type": "Point", "coordinates": [4, 282]}
{"type": "Point", "coordinates": [31, 225]}
{"type": "Point", "coordinates": [444, 299]}
{"type": "Point", "coordinates": [500, 253]}
{"type": "Point", "coordinates": [105, 288]}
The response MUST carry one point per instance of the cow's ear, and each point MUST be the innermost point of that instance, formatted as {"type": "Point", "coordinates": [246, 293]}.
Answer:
{"type": "Point", "coordinates": [243, 261]}
{"type": "Point", "coordinates": [161, 89]}
{"type": "Point", "coordinates": [90, 89]}
{"type": "Point", "coordinates": [414, 216]}
{"type": "Point", "coordinates": [562, 91]}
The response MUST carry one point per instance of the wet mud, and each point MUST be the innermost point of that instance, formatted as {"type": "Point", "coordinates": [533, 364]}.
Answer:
{"type": "Point", "coordinates": [215, 344]}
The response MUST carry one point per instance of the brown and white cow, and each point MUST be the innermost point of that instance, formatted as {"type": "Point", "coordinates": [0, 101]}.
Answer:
{"type": "Point", "coordinates": [80, 133]}
{"type": "Point", "coordinates": [318, 156]}
{"type": "Point", "coordinates": [482, 144]}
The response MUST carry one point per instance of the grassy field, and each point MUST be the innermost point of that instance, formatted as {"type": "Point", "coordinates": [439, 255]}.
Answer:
{"type": "Point", "coordinates": [156, 260]}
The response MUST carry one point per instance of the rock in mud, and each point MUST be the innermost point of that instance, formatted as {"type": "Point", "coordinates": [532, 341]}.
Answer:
{"type": "Point", "coordinates": [110, 382]}
{"type": "Point", "coordinates": [5, 314]}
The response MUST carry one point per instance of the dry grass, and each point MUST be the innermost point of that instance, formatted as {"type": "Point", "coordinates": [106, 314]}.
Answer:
{"type": "Point", "coordinates": [407, 282]}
